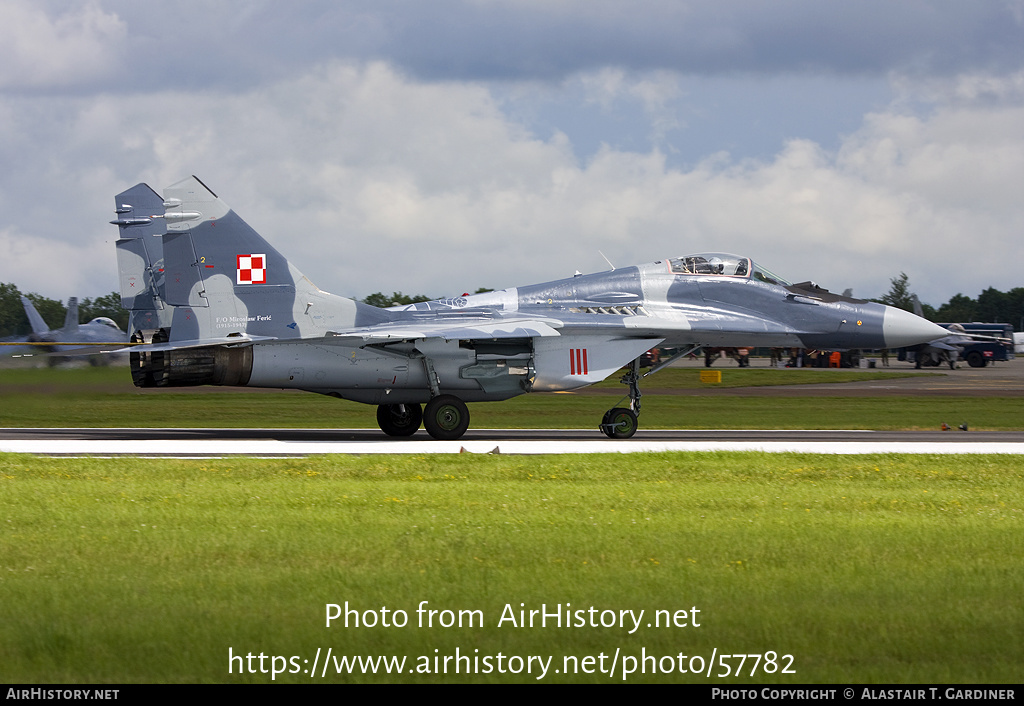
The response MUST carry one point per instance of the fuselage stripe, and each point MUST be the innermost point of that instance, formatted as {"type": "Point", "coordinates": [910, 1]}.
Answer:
{"type": "Point", "coordinates": [578, 364]}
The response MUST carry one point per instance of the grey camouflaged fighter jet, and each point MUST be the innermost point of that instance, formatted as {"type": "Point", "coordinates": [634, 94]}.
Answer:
{"type": "Point", "coordinates": [73, 337]}
{"type": "Point", "coordinates": [213, 303]}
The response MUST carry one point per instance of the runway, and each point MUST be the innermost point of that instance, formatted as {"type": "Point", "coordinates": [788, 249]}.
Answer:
{"type": "Point", "coordinates": [271, 443]}
{"type": "Point", "coordinates": [1005, 379]}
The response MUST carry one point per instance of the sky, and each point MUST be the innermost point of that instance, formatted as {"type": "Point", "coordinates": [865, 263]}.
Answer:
{"type": "Point", "coordinates": [438, 147]}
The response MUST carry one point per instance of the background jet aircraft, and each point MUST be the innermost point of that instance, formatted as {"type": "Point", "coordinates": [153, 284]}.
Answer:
{"type": "Point", "coordinates": [70, 337]}
{"type": "Point", "coordinates": [950, 347]}
{"type": "Point", "coordinates": [238, 313]}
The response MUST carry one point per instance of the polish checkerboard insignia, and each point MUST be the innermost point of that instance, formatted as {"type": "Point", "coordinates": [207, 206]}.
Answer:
{"type": "Point", "coordinates": [252, 269]}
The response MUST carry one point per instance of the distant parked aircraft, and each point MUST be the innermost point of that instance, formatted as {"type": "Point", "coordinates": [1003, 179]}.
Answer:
{"type": "Point", "coordinates": [97, 334]}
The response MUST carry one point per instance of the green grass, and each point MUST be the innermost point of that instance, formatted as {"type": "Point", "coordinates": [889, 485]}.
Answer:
{"type": "Point", "coordinates": [105, 397]}
{"type": "Point", "coordinates": [887, 569]}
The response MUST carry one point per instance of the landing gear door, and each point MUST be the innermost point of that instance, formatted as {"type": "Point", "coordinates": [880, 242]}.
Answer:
{"type": "Point", "coordinates": [569, 362]}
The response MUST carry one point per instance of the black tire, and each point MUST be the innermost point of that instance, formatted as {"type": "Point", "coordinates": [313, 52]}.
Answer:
{"type": "Point", "coordinates": [605, 422]}
{"type": "Point", "coordinates": [976, 359]}
{"type": "Point", "coordinates": [619, 423]}
{"type": "Point", "coordinates": [399, 419]}
{"type": "Point", "coordinates": [446, 417]}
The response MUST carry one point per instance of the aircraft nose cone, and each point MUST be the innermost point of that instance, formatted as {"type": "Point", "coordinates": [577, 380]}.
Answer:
{"type": "Point", "coordinates": [901, 328]}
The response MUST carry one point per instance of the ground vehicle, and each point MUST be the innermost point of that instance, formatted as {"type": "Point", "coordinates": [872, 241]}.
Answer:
{"type": "Point", "coordinates": [975, 343]}
{"type": "Point", "coordinates": [991, 343]}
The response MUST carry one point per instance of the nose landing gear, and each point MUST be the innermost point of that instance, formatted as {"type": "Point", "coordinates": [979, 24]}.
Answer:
{"type": "Point", "coordinates": [621, 422]}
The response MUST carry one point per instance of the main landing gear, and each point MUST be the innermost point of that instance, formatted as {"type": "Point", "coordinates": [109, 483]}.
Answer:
{"type": "Point", "coordinates": [399, 419]}
{"type": "Point", "coordinates": [622, 422]}
{"type": "Point", "coordinates": [446, 417]}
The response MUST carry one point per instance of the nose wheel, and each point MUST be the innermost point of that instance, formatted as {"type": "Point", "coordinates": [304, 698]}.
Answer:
{"type": "Point", "coordinates": [621, 422]}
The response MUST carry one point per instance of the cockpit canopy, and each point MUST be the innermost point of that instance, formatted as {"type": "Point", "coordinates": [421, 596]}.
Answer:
{"type": "Point", "coordinates": [723, 264]}
{"type": "Point", "coordinates": [105, 321]}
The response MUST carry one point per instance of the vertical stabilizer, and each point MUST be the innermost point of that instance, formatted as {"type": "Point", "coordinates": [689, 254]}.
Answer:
{"type": "Point", "coordinates": [140, 257]}
{"type": "Point", "coordinates": [71, 318]}
{"type": "Point", "coordinates": [39, 326]}
{"type": "Point", "coordinates": [223, 279]}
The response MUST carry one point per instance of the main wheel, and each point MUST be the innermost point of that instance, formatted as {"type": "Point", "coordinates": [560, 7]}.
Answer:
{"type": "Point", "coordinates": [399, 419]}
{"type": "Point", "coordinates": [446, 417]}
{"type": "Point", "coordinates": [619, 423]}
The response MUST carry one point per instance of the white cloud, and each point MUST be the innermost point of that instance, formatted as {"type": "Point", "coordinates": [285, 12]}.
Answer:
{"type": "Point", "coordinates": [39, 50]}
{"type": "Point", "coordinates": [54, 267]}
{"type": "Point", "coordinates": [369, 181]}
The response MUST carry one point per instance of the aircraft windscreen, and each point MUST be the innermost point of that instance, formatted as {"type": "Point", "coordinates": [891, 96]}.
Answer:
{"type": "Point", "coordinates": [106, 322]}
{"type": "Point", "coordinates": [763, 275]}
{"type": "Point", "coordinates": [723, 264]}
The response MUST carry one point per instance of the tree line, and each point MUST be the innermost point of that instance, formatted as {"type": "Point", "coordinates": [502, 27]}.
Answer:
{"type": "Point", "coordinates": [14, 322]}
{"type": "Point", "coordinates": [991, 306]}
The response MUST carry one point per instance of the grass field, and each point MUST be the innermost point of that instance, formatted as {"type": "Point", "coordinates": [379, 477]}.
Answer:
{"type": "Point", "coordinates": [902, 569]}
{"type": "Point", "coordinates": [105, 397]}
{"type": "Point", "coordinates": [880, 569]}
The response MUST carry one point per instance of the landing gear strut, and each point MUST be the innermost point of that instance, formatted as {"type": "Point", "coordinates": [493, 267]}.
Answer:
{"type": "Point", "coordinates": [621, 422]}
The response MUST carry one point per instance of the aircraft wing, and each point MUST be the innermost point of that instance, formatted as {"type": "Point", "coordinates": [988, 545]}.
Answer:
{"type": "Point", "coordinates": [563, 356]}
{"type": "Point", "coordinates": [448, 330]}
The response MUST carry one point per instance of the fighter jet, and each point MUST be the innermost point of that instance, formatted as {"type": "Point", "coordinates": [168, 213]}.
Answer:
{"type": "Point", "coordinates": [71, 337]}
{"type": "Point", "coordinates": [239, 313]}
{"type": "Point", "coordinates": [956, 344]}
